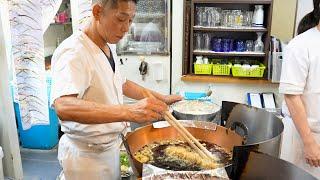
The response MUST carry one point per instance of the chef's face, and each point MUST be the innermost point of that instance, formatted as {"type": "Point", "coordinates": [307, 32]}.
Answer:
{"type": "Point", "coordinates": [113, 23]}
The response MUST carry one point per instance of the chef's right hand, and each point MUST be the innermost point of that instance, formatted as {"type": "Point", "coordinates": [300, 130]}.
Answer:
{"type": "Point", "coordinates": [148, 109]}
{"type": "Point", "coordinates": [312, 153]}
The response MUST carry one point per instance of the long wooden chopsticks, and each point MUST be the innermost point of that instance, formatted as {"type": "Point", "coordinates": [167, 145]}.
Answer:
{"type": "Point", "coordinates": [192, 141]}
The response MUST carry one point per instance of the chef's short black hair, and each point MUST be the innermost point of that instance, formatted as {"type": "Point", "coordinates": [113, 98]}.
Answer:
{"type": "Point", "coordinates": [310, 20]}
{"type": "Point", "coordinates": [113, 3]}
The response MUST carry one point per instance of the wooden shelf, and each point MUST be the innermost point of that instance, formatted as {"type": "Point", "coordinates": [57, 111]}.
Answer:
{"type": "Point", "coordinates": [230, 54]}
{"type": "Point", "coordinates": [247, 33]}
{"type": "Point", "coordinates": [224, 79]}
{"type": "Point", "coordinates": [229, 29]}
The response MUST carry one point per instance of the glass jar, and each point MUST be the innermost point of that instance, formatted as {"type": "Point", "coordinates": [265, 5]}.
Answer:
{"type": "Point", "coordinates": [207, 41]}
{"type": "Point", "coordinates": [198, 41]}
{"type": "Point", "coordinates": [217, 45]}
{"type": "Point", "coordinates": [224, 18]}
{"type": "Point", "coordinates": [258, 45]}
{"type": "Point", "coordinates": [199, 14]}
{"type": "Point", "coordinates": [249, 45]}
{"type": "Point", "coordinates": [216, 12]}
{"type": "Point", "coordinates": [231, 48]}
{"type": "Point", "coordinates": [210, 16]}
{"type": "Point", "coordinates": [226, 45]}
{"type": "Point", "coordinates": [204, 16]}
{"type": "Point", "coordinates": [247, 18]}
{"type": "Point", "coordinates": [240, 46]}
{"type": "Point", "coordinates": [231, 19]}
{"type": "Point", "coordinates": [238, 18]}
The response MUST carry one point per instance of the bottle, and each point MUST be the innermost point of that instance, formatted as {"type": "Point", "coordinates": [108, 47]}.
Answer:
{"type": "Point", "coordinates": [258, 44]}
{"type": "Point", "coordinates": [199, 60]}
{"type": "Point", "coordinates": [258, 16]}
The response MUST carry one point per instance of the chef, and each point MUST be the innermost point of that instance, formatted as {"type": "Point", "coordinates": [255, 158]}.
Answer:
{"type": "Point", "coordinates": [300, 84]}
{"type": "Point", "coordinates": [87, 94]}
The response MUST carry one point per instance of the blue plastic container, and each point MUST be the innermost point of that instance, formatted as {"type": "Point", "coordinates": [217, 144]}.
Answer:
{"type": "Point", "coordinates": [194, 95]}
{"type": "Point", "coordinates": [39, 136]}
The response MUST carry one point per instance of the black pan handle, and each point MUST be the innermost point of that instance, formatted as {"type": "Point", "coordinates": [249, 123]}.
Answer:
{"type": "Point", "coordinates": [244, 128]}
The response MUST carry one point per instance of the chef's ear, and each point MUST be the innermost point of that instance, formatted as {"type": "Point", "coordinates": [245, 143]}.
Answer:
{"type": "Point", "coordinates": [97, 11]}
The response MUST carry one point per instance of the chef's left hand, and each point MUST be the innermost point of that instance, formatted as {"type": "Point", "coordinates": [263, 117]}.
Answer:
{"type": "Point", "coordinates": [170, 99]}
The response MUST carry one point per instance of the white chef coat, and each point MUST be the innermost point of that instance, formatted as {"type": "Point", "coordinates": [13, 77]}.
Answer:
{"type": "Point", "coordinates": [301, 76]}
{"type": "Point", "coordinates": [80, 67]}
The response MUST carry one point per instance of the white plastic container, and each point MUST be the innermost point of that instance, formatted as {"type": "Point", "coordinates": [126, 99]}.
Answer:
{"type": "Point", "coordinates": [1, 167]}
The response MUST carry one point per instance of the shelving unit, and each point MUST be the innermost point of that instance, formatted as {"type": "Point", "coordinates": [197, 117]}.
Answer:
{"type": "Point", "coordinates": [229, 29]}
{"type": "Point", "coordinates": [223, 79]}
{"type": "Point", "coordinates": [229, 54]}
{"type": "Point", "coordinates": [243, 33]}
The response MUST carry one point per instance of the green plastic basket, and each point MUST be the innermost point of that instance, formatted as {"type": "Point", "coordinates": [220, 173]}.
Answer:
{"type": "Point", "coordinates": [203, 69]}
{"type": "Point", "coordinates": [221, 69]}
{"type": "Point", "coordinates": [242, 72]}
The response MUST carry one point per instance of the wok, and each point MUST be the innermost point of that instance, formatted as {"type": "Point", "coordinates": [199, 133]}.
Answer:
{"type": "Point", "coordinates": [218, 135]}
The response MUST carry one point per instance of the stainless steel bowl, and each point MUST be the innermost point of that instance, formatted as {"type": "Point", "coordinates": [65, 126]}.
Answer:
{"type": "Point", "coordinates": [205, 116]}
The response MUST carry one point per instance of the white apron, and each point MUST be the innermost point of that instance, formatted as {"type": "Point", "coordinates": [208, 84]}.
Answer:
{"type": "Point", "coordinates": [301, 76]}
{"type": "Point", "coordinates": [292, 147]}
{"type": "Point", "coordinates": [83, 162]}
{"type": "Point", "coordinates": [88, 152]}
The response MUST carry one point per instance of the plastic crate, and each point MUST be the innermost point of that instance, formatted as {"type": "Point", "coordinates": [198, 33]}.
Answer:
{"type": "Point", "coordinates": [244, 72]}
{"type": "Point", "coordinates": [203, 69]}
{"type": "Point", "coordinates": [221, 69]}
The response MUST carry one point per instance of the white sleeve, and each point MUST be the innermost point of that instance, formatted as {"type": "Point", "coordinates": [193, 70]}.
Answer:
{"type": "Point", "coordinates": [123, 79]}
{"type": "Point", "coordinates": [295, 69]}
{"type": "Point", "coordinates": [70, 75]}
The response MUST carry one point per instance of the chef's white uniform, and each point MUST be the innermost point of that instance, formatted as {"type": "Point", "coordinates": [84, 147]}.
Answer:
{"type": "Point", "coordinates": [80, 67]}
{"type": "Point", "coordinates": [301, 76]}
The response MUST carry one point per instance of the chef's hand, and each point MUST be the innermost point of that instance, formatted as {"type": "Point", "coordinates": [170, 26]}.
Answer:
{"type": "Point", "coordinates": [312, 153]}
{"type": "Point", "coordinates": [146, 110]}
{"type": "Point", "coordinates": [170, 99]}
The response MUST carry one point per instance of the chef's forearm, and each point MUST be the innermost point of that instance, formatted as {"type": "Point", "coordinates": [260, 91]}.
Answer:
{"type": "Point", "coordinates": [135, 91]}
{"type": "Point", "coordinates": [86, 112]}
{"type": "Point", "coordinates": [299, 116]}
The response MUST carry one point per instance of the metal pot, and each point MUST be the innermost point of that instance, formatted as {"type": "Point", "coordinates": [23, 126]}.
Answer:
{"type": "Point", "coordinates": [199, 117]}
{"type": "Point", "coordinates": [263, 127]}
{"type": "Point", "coordinates": [219, 135]}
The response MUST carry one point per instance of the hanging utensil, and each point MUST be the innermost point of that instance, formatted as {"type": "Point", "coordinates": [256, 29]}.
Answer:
{"type": "Point", "coordinates": [143, 68]}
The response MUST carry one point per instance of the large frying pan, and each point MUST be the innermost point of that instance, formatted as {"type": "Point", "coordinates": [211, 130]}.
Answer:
{"type": "Point", "coordinates": [219, 135]}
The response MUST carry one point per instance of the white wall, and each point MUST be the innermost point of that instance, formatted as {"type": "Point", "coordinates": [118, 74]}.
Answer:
{"type": "Point", "coordinates": [282, 27]}
{"type": "Point", "coordinates": [304, 7]}
{"type": "Point", "coordinates": [231, 92]}
{"type": "Point", "coordinates": [52, 34]}
{"type": "Point", "coordinates": [130, 70]}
